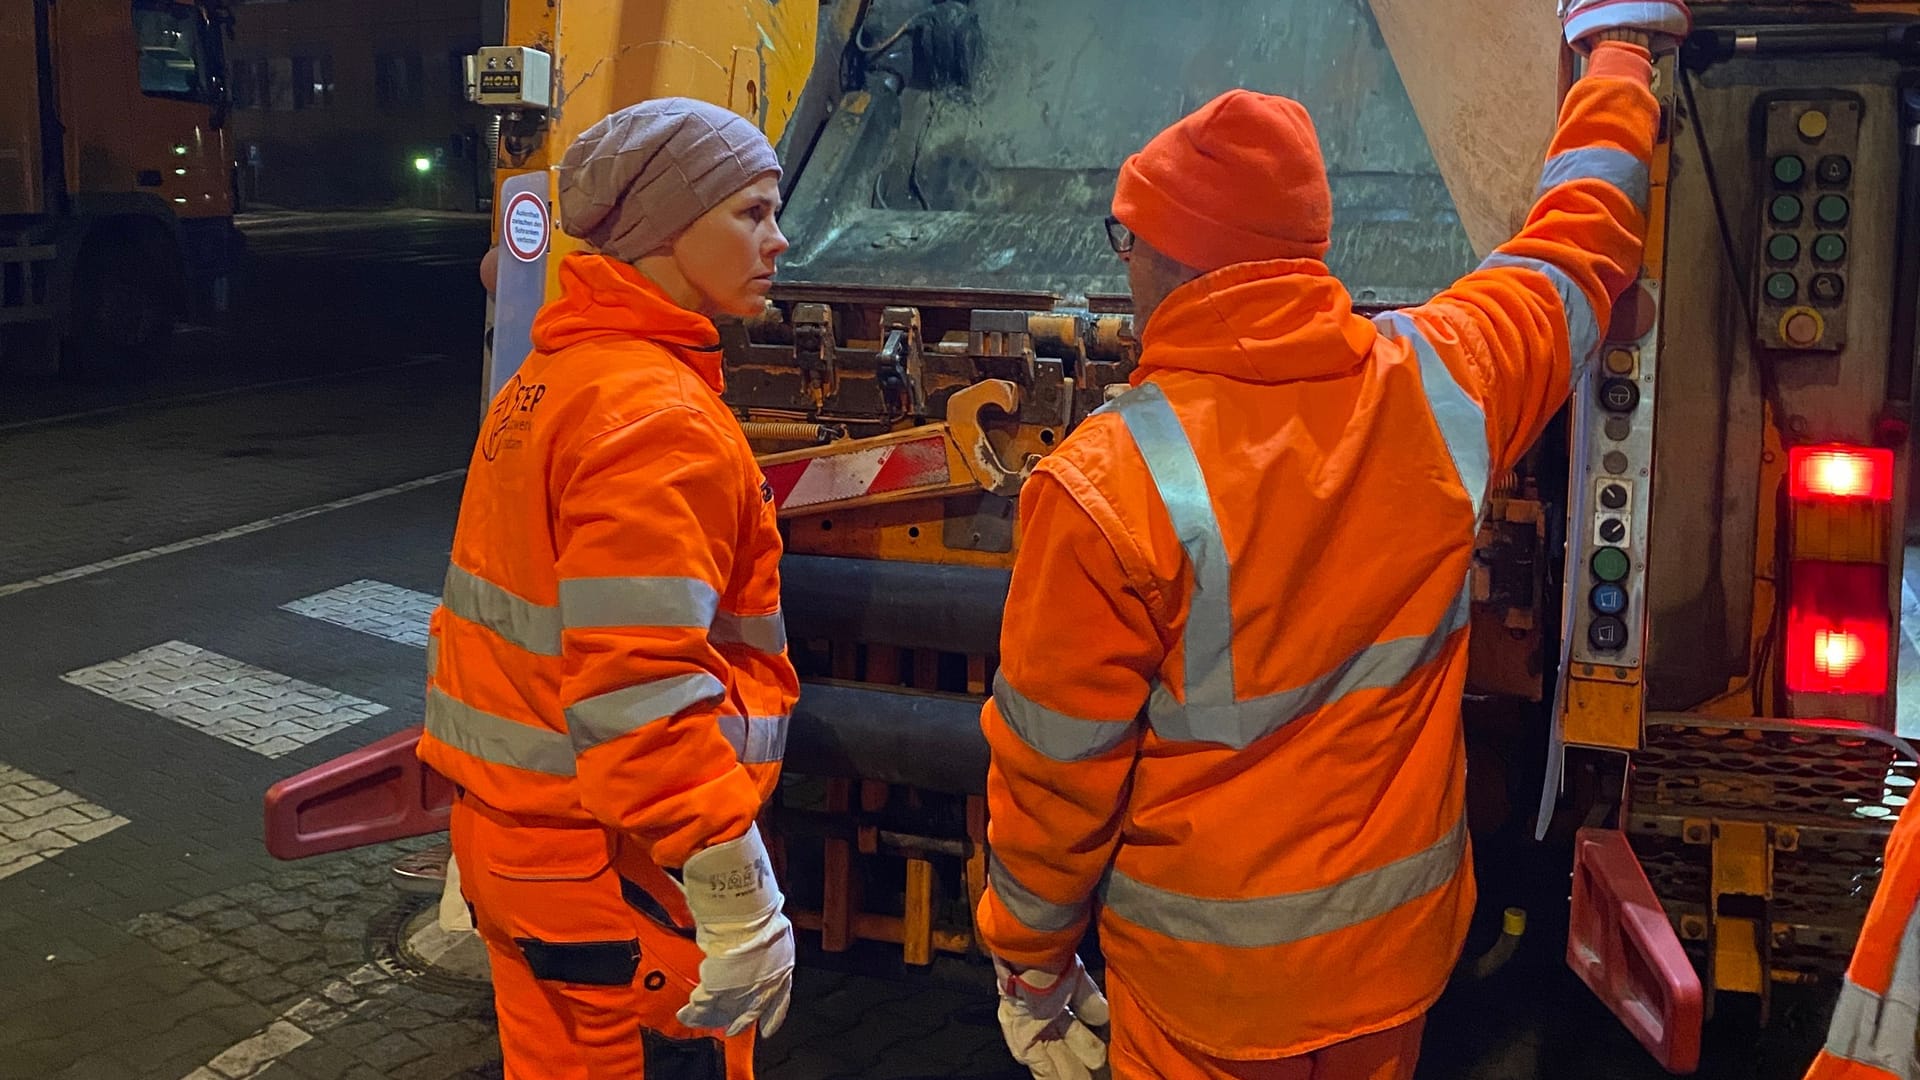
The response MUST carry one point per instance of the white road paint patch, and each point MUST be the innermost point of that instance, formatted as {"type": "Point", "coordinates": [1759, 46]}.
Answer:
{"type": "Point", "coordinates": [40, 819]}
{"type": "Point", "coordinates": [255, 1054]}
{"type": "Point", "coordinates": [372, 607]}
{"type": "Point", "coordinates": [237, 531]}
{"type": "Point", "coordinates": [264, 711]}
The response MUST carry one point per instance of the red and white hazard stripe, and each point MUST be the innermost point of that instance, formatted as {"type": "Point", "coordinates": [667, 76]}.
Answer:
{"type": "Point", "coordinates": [882, 470]}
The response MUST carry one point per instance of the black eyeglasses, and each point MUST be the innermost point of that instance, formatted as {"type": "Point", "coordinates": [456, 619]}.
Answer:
{"type": "Point", "coordinates": [1119, 236]}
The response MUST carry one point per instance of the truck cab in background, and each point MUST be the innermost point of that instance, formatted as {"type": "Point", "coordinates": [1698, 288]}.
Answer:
{"type": "Point", "coordinates": [116, 178]}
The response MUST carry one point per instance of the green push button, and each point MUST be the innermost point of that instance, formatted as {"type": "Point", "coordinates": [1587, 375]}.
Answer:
{"type": "Point", "coordinates": [1782, 287]}
{"type": "Point", "coordinates": [1783, 248]}
{"type": "Point", "coordinates": [1832, 209]}
{"type": "Point", "coordinates": [1610, 564]}
{"type": "Point", "coordinates": [1789, 170]}
{"type": "Point", "coordinates": [1829, 248]}
{"type": "Point", "coordinates": [1786, 209]}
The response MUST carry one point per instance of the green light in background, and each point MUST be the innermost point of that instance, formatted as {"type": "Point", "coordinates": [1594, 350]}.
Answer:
{"type": "Point", "coordinates": [421, 164]}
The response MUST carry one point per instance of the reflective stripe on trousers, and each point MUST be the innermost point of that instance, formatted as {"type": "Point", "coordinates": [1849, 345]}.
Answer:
{"type": "Point", "coordinates": [1212, 710]}
{"type": "Point", "coordinates": [1879, 1030]}
{"type": "Point", "coordinates": [1263, 921]}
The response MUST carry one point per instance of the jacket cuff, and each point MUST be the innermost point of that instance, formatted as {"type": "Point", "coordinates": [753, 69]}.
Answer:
{"type": "Point", "coordinates": [1621, 59]}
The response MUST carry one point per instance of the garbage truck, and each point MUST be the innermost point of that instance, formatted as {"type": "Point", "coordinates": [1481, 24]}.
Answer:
{"type": "Point", "coordinates": [116, 177]}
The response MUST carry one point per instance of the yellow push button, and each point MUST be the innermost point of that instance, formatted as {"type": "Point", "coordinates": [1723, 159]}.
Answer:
{"type": "Point", "coordinates": [1813, 123]}
{"type": "Point", "coordinates": [1802, 328]}
{"type": "Point", "coordinates": [1619, 362]}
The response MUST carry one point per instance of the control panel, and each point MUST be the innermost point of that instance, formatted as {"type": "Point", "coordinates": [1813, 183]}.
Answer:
{"type": "Point", "coordinates": [1613, 466]}
{"type": "Point", "coordinates": [1806, 205]}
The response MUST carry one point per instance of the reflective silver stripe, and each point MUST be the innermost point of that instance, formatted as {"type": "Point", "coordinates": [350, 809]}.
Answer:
{"type": "Point", "coordinates": [533, 627]}
{"type": "Point", "coordinates": [637, 601]}
{"type": "Point", "coordinates": [1036, 914]}
{"type": "Point", "coordinates": [1056, 734]}
{"type": "Point", "coordinates": [433, 655]}
{"type": "Point", "coordinates": [1878, 1030]}
{"type": "Point", "coordinates": [497, 739]}
{"type": "Point", "coordinates": [1183, 489]}
{"type": "Point", "coordinates": [1462, 422]}
{"type": "Point", "coordinates": [1241, 723]}
{"type": "Point", "coordinates": [1626, 173]}
{"type": "Point", "coordinates": [1583, 327]}
{"type": "Point", "coordinates": [762, 633]}
{"type": "Point", "coordinates": [608, 716]}
{"type": "Point", "coordinates": [1265, 921]}
{"type": "Point", "coordinates": [757, 740]}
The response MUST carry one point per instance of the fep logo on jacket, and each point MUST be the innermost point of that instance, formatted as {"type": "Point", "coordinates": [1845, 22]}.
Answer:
{"type": "Point", "coordinates": [512, 413]}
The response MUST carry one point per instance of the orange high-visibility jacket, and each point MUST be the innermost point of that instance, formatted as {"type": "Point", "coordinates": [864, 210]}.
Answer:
{"type": "Point", "coordinates": [1874, 1026]}
{"type": "Point", "coordinates": [1233, 657]}
{"type": "Point", "coordinates": [610, 647]}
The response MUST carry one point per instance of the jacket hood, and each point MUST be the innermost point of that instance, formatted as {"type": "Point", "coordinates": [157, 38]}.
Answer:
{"type": "Point", "coordinates": [1264, 322]}
{"type": "Point", "coordinates": [602, 299]}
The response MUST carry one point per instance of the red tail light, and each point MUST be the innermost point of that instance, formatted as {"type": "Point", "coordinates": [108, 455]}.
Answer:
{"type": "Point", "coordinates": [1838, 629]}
{"type": "Point", "coordinates": [1840, 472]}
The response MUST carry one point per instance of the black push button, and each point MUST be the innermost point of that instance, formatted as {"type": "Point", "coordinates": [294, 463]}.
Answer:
{"type": "Point", "coordinates": [1619, 395]}
{"type": "Point", "coordinates": [1607, 634]}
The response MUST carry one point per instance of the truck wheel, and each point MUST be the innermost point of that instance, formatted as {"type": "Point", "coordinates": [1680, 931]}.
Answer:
{"type": "Point", "coordinates": [123, 312]}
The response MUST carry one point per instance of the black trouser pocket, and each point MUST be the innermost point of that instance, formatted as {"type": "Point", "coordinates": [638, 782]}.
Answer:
{"type": "Point", "coordinates": [682, 1059]}
{"type": "Point", "coordinates": [590, 963]}
{"type": "Point", "coordinates": [644, 902]}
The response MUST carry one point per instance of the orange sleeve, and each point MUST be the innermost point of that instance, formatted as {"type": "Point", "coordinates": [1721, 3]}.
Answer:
{"type": "Point", "coordinates": [1078, 648]}
{"type": "Point", "coordinates": [646, 529]}
{"type": "Point", "coordinates": [1532, 317]}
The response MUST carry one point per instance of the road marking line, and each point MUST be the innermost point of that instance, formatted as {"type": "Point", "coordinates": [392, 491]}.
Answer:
{"type": "Point", "coordinates": [251, 707]}
{"type": "Point", "coordinates": [39, 819]}
{"type": "Point", "coordinates": [255, 1054]}
{"type": "Point", "coordinates": [237, 531]}
{"type": "Point", "coordinates": [372, 607]}
{"type": "Point", "coordinates": [211, 395]}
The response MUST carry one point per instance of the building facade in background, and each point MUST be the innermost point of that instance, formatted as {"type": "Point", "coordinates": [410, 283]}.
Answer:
{"type": "Point", "coordinates": [360, 103]}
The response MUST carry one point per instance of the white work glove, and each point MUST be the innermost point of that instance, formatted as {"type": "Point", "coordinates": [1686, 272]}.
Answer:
{"type": "Point", "coordinates": [1048, 1020]}
{"type": "Point", "coordinates": [748, 971]}
{"type": "Point", "coordinates": [1665, 22]}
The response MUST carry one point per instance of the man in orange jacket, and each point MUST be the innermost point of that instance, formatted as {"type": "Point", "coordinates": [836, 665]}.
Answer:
{"type": "Point", "coordinates": [1876, 1021]}
{"type": "Point", "coordinates": [1250, 752]}
{"type": "Point", "coordinates": [608, 679]}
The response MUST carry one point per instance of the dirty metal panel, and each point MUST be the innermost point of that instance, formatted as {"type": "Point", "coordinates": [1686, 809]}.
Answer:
{"type": "Point", "coordinates": [1710, 407]}
{"type": "Point", "coordinates": [1004, 184]}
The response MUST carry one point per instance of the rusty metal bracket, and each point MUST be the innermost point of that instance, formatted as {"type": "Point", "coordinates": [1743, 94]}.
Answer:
{"type": "Point", "coordinates": [813, 351]}
{"type": "Point", "coordinates": [976, 446]}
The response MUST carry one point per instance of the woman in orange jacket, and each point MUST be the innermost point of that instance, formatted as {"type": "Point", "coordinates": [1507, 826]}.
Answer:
{"type": "Point", "coordinates": [1249, 759]}
{"type": "Point", "coordinates": [608, 680]}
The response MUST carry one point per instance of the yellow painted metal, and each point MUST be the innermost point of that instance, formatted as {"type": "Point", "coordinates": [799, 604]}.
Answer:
{"type": "Point", "coordinates": [752, 56]}
{"type": "Point", "coordinates": [1742, 868]}
{"type": "Point", "coordinates": [1602, 711]}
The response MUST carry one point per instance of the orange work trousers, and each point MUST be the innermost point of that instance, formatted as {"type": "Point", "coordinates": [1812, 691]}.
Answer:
{"type": "Point", "coordinates": [588, 967]}
{"type": "Point", "coordinates": [1140, 1050]}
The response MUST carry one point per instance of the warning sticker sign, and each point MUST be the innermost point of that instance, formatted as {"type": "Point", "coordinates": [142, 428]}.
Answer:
{"type": "Point", "coordinates": [527, 226]}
